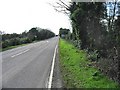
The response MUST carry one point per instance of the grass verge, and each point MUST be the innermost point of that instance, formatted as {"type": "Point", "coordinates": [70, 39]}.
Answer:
{"type": "Point", "coordinates": [11, 47]}
{"type": "Point", "coordinates": [77, 71]}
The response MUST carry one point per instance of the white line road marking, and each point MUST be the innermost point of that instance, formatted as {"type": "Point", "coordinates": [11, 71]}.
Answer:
{"type": "Point", "coordinates": [52, 67]}
{"type": "Point", "coordinates": [20, 53]}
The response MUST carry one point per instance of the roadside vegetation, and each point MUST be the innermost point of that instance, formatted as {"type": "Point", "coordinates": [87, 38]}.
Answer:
{"type": "Point", "coordinates": [9, 41]}
{"type": "Point", "coordinates": [96, 30]}
{"type": "Point", "coordinates": [78, 71]}
{"type": "Point", "coordinates": [11, 47]}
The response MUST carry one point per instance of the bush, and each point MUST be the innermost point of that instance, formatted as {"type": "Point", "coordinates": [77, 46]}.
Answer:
{"type": "Point", "coordinates": [93, 55]}
{"type": "Point", "coordinates": [76, 43]}
{"type": "Point", "coordinates": [5, 44]}
{"type": "Point", "coordinates": [14, 41]}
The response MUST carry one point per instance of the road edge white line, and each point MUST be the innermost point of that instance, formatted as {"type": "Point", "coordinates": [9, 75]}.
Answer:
{"type": "Point", "coordinates": [52, 68]}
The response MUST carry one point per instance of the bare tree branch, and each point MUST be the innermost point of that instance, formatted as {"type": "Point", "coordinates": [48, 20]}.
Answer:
{"type": "Point", "coordinates": [64, 3]}
{"type": "Point", "coordinates": [61, 7]}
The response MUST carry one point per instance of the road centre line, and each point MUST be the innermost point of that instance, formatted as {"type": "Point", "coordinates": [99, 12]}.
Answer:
{"type": "Point", "coordinates": [20, 53]}
{"type": "Point", "coordinates": [52, 68]}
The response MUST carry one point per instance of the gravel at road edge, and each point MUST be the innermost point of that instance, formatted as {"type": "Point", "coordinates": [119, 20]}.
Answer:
{"type": "Point", "coordinates": [57, 78]}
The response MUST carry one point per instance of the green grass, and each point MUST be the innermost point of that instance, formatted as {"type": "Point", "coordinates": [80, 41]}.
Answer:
{"type": "Point", "coordinates": [11, 47]}
{"type": "Point", "coordinates": [77, 71]}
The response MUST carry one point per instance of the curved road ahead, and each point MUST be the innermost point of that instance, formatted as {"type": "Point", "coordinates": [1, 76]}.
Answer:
{"type": "Point", "coordinates": [28, 66]}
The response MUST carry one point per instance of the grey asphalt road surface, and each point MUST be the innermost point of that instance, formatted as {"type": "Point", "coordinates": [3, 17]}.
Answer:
{"type": "Point", "coordinates": [28, 66]}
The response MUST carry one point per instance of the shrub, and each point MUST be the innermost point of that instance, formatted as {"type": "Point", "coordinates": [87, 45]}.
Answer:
{"type": "Point", "coordinates": [93, 55]}
{"type": "Point", "coordinates": [14, 41]}
{"type": "Point", "coordinates": [5, 44]}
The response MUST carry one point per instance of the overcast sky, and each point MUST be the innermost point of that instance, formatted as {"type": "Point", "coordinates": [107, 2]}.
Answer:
{"type": "Point", "coordinates": [17, 16]}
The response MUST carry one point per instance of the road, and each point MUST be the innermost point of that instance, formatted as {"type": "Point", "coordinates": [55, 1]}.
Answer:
{"type": "Point", "coordinates": [28, 66]}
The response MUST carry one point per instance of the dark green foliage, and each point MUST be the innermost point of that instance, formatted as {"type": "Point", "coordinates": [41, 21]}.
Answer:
{"type": "Point", "coordinates": [63, 32]}
{"type": "Point", "coordinates": [26, 37]}
{"type": "Point", "coordinates": [96, 28]}
{"type": "Point", "coordinates": [93, 55]}
{"type": "Point", "coordinates": [5, 44]}
{"type": "Point", "coordinates": [14, 41]}
{"type": "Point", "coordinates": [9, 36]}
{"type": "Point", "coordinates": [91, 26]}
{"type": "Point", "coordinates": [86, 23]}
